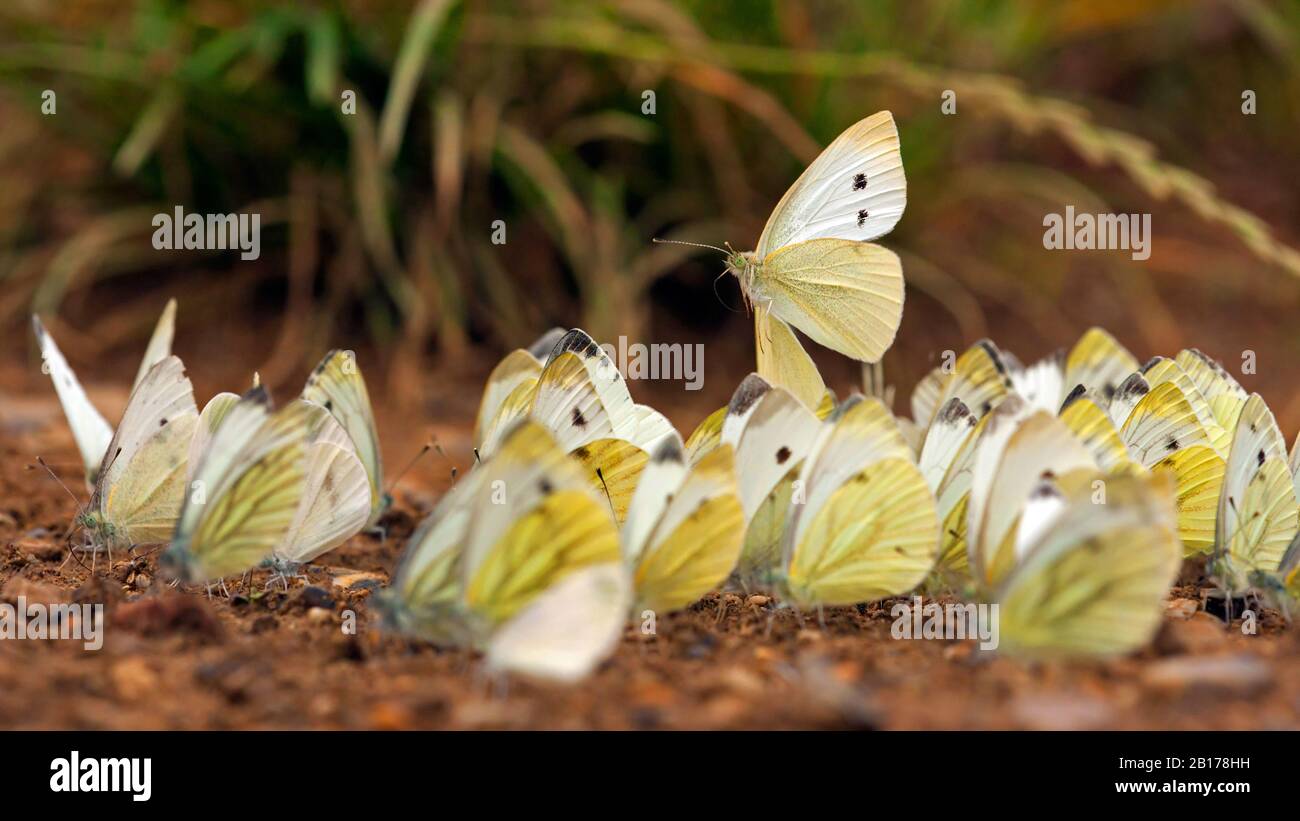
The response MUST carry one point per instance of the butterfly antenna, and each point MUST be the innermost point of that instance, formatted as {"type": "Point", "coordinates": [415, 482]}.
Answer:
{"type": "Point", "coordinates": [428, 446]}
{"type": "Point", "coordinates": [601, 476]}
{"type": "Point", "coordinates": [56, 478]}
{"type": "Point", "coordinates": [658, 241]}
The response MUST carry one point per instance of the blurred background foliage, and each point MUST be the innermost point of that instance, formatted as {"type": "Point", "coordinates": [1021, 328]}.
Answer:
{"type": "Point", "coordinates": [377, 225]}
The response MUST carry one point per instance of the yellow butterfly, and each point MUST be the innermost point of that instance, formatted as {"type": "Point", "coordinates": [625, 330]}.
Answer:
{"type": "Point", "coordinates": [867, 527]}
{"type": "Point", "coordinates": [979, 378]}
{"type": "Point", "coordinates": [520, 560]}
{"type": "Point", "coordinates": [1099, 363]}
{"type": "Point", "coordinates": [510, 389]}
{"type": "Point", "coordinates": [1257, 515]}
{"type": "Point", "coordinates": [245, 491]}
{"type": "Point", "coordinates": [684, 528]}
{"type": "Point", "coordinates": [1090, 579]}
{"type": "Point", "coordinates": [580, 397]}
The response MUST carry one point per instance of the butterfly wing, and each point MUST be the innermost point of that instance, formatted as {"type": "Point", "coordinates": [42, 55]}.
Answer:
{"type": "Point", "coordinates": [612, 466]}
{"type": "Point", "coordinates": [854, 190]}
{"type": "Point", "coordinates": [1099, 363]}
{"type": "Point", "coordinates": [249, 484]}
{"type": "Point", "coordinates": [1162, 422]}
{"type": "Point", "coordinates": [90, 430]}
{"type": "Point", "coordinates": [1198, 479]}
{"type": "Point", "coordinates": [783, 362]}
{"type": "Point", "coordinates": [536, 520]}
{"type": "Point", "coordinates": [1095, 582]}
{"type": "Point", "coordinates": [565, 631]}
{"type": "Point", "coordinates": [160, 343]}
{"type": "Point", "coordinates": [845, 295]}
{"type": "Point", "coordinates": [1017, 451]}
{"type": "Point", "coordinates": [706, 436]}
{"type": "Point", "coordinates": [209, 420]}
{"type": "Point", "coordinates": [337, 385]}
{"type": "Point", "coordinates": [335, 501]}
{"type": "Point", "coordinates": [142, 479]}
{"type": "Point", "coordinates": [697, 539]}
{"type": "Point", "coordinates": [518, 368]}
{"type": "Point", "coordinates": [875, 536]}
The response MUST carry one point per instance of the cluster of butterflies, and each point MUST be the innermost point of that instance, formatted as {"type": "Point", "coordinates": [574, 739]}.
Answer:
{"type": "Point", "coordinates": [234, 486]}
{"type": "Point", "coordinates": [1072, 509]}
{"type": "Point", "coordinates": [1067, 492]}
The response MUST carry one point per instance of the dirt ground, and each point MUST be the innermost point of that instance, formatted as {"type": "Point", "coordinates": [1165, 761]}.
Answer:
{"type": "Point", "coordinates": [275, 659]}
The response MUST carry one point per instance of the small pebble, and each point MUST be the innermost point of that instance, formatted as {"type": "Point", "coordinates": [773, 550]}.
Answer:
{"type": "Point", "coordinates": [320, 615]}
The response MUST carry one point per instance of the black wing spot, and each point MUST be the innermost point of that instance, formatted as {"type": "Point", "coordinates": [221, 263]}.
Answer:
{"type": "Point", "coordinates": [582, 453]}
{"type": "Point", "coordinates": [545, 486]}
{"type": "Point", "coordinates": [1260, 457]}
{"type": "Point", "coordinates": [162, 423]}
{"type": "Point", "coordinates": [1171, 445]}
{"type": "Point", "coordinates": [859, 182]}
{"type": "Point", "coordinates": [329, 404]}
{"type": "Point", "coordinates": [862, 217]}
{"type": "Point", "coordinates": [578, 419]}
{"type": "Point", "coordinates": [984, 408]}
{"type": "Point", "coordinates": [782, 455]}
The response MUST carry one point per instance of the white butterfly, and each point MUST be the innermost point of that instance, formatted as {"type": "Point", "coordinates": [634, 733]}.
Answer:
{"type": "Point", "coordinates": [815, 266]}
{"type": "Point", "coordinates": [89, 428]}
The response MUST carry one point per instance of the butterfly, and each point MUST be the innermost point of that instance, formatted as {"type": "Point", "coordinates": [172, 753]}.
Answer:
{"type": "Point", "coordinates": [770, 432]}
{"type": "Point", "coordinates": [521, 560]}
{"type": "Point", "coordinates": [580, 397]}
{"type": "Point", "coordinates": [1258, 505]}
{"type": "Point", "coordinates": [815, 268]}
{"type": "Point", "coordinates": [979, 378]}
{"type": "Point", "coordinates": [337, 385]}
{"type": "Point", "coordinates": [1089, 579]}
{"type": "Point", "coordinates": [140, 482]}
{"type": "Point", "coordinates": [867, 527]}
{"type": "Point", "coordinates": [244, 493]}
{"type": "Point", "coordinates": [684, 527]}
{"type": "Point", "coordinates": [1097, 362]}
{"type": "Point", "coordinates": [336, 500]}
{"type": "Point", "coordinates": [1020, 446]}
{"type": "Point", "coordinates": [512, 381]}
{"type": "Point", "coordinates": [90, 430]}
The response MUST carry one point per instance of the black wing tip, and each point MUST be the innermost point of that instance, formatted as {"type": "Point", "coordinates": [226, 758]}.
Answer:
{"type": "Point", "coordinates": [542, 347]}
{"type": "Point", "coordinates": [578, 341]}
{"type": "Point", "coordinates": [258, 395]}
{"type": "Point", "coordinates": [669, 450]}
{"type": "Point", "coordinates": [1133, 385]}
{"type": "Point", "coordinates": [749, 391]}
{"type": "Point", "coordinates": [953, 411]}
{"type": "Point", "coordinates": [1076, 393]}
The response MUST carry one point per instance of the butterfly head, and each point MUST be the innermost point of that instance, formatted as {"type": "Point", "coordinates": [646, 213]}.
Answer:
{"type": "Point", "coordinates": [99, 530]}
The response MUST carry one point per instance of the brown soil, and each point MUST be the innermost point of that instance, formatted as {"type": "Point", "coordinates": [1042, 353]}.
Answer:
{"type": "Point", "coordinates": [267, 659]}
